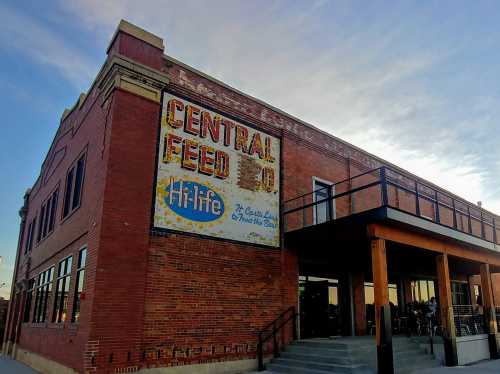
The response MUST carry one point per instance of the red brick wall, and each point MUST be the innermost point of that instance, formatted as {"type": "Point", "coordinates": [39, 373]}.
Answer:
{"type": "Point", "coordinates": [84, 129]}
{"type": "Point", "coordinates": [117, 313]}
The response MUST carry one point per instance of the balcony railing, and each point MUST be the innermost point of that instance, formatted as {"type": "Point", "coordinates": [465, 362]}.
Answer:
{"type": "Point", "coordinates": [468, 321]}
{"type": "Point", "coordinates": [386, 187]}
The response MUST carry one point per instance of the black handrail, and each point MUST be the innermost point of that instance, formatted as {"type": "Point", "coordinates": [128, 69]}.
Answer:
{"type": "Point", "coordinates": [275, 326]}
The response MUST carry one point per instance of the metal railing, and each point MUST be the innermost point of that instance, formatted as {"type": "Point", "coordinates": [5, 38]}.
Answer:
{"type": "Point", "coordinates": [272, 330]}
{"type": "Point", "coordinates": [386, 187]}
{"type": "Point", "coordinates": [468, 321]}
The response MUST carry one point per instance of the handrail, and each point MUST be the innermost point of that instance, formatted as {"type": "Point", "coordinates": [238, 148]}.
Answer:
{"type": "Point", "coordinates": [335, 184]}
{"type": "Point", "coordinates": [333, 197]}
{"type": "Point", "coordinates": [276, 327]}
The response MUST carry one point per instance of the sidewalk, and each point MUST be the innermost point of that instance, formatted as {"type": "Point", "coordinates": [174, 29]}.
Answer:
{"type": "Point", "coordinates": [485, 367]}
{"type": "Point", "coordinates": [8, 366]}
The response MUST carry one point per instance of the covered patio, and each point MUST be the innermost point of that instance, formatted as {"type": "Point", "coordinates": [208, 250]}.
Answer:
{"type": "Point", "coordinates": [389, 231]}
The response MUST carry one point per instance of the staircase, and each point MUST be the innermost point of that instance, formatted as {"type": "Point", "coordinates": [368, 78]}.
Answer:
{"type": "Point", "coordinates": [356, 355]}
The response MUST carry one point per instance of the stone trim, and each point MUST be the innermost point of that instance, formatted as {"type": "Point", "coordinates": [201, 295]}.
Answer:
{"type": "Point", "coordinates": [40, 363]}
{"type": "Point", "coordinates": [121, 72]}
{"type": "Point", "coordinates": [223, 367]}
{"type": "Point", "coordinates": [135, 31]}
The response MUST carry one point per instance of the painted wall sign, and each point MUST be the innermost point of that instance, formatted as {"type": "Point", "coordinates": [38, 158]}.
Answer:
{"type": "Point", "coordinates": [215, 176]}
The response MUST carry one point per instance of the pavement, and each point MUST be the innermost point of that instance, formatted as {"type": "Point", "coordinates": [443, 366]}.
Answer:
{"type": "Point", "coordinates": [485, 367]}
{"type": "Point", "coordinates": [9, 366]}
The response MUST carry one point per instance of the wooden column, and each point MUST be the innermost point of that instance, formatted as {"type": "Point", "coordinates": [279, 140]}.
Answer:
{"type": "Point", "coordinates": [358, 289]}
{"type": "Point", "coordinates": [489, 310]}
{"type": "Point", "coordinates": [382, 309]}
{"type": "Point", "coordinates": [446, 310]}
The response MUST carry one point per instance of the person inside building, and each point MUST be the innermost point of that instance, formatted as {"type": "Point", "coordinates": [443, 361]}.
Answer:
{"type": "Point", "coordinates": [431, 314]}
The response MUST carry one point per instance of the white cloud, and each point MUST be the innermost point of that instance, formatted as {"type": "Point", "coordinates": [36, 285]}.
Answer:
{"type": "Point", "coordinates": [365, 84]}
{"type": "Point", "coordinates": [31, 38]}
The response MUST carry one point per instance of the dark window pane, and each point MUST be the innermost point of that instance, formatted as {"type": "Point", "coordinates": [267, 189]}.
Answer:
{"type": "Point", "coordinates": [53, 209]}
{"type": "Point", "coordinates": [82, 258]}
{"type": "Point", "coordinates": [40, 226]}
{"type": "Point", "coordinates": [32, 234]}
{"type": "Point", "coordinates": [60, 270]}
{"type": "Point", "coordinates": [80, 277]}
{"type": "Point", "coordinates": [28, 238]}
{"type": "Point", "coordinates": [68, 262]}
{"type": "Point", "coordinates": [67, 192]}
{"type": "Point", "coordinates": [46, 219]}
{"type": "Point", "coordinates": [78, 182]}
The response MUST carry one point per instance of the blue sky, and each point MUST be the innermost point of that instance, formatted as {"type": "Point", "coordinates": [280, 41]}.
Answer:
{"type": "Point", "coordinates": [416, 83]}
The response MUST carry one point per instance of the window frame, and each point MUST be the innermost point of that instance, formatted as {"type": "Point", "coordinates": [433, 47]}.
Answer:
{"type": "Point", "coordinates": [332, 193]}
{"type": "Point", "coordinates": [29, 300]}
{"type": "Point", "coordinates": [80, 272]}
{"type": "Point", "coordinates": [38, 289]}
{"type": "Point", "coordinates": [58, 308]}
{"type": "Point", "coordinates": [73, 168]}
{"type": "Point", "coordinates": [30, 235]}
{"type": "Point", "coordinates": [47, 211]}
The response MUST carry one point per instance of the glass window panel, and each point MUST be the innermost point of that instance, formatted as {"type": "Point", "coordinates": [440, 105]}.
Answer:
{"type": "Point", "coordinates": [82, 258]}
{"type": "Point", "coordinates": [424, 294]}
{"type": "Point", "coordinates": [53, 209]}
{"type": "Point", "coordinates": [67, 192]}
{"type": "Point", "coordinates": [333, 297]}
{"type": "Point", "coordinates": [369, 294]}
{"type": "Point", "coordinates": [46, 219]}
{"type": "Point", "coordinates": [432, 291]}
{"type": "Point", "coordinates": [69, 262]}
{"type": "Point", "coordinates": [78, 183]}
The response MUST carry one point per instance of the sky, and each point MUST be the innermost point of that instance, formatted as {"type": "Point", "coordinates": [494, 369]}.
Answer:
{"type": "Point", "coordinates": [414, 82]}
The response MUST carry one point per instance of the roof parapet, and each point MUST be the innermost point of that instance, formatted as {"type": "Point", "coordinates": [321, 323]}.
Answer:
{"type": "Point", "coordinates": [137, 32]}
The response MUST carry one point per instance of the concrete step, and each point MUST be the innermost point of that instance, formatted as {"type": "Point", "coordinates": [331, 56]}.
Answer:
{"type": "Point", "coordinates": [276, 368]}
{"type": "Point", "coordinates": [335, 368]}
{"type": "Point", "coordinates": [286, 367]}
{"type": "Point", "coordinates": [318, 357]}
{"type": "Point", "coordinates": [322, 344]}
{"type": "Point", "coordinates": [349, 356]}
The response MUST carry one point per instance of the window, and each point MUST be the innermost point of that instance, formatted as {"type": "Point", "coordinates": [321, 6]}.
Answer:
{"type": "Point", "coordinates": [29, 298]}
{"type": "Point", "coordinates": [460, 293]}
{"type": "Point", "coordinates": [370, 293]}
{"type": "Point", "coordinates": [62, 290]}
{"type": "Point", "coordinates": [422, 290]}
{"type": "Point", "coordinates": [43, 290]}
{"type": "Point", "coordinates": [80, 279]}
{"type": "Point", "coordinates": [74, 182]}
{"type": "Point", "coordinates": [47, 215]}
{"type": "Point", "coordinates": [29, 236]}
{"type": "Point", "coordinates": [325, 209]}
{"type": "Point", "coordinates": [478, 299]}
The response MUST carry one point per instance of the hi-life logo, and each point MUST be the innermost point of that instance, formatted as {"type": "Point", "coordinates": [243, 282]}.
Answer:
{"type": "Point", "coordinates": [194, 201]}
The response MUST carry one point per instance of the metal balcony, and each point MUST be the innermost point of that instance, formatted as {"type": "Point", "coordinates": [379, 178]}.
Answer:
{"type": "Point", "coordinates": [387, 194]}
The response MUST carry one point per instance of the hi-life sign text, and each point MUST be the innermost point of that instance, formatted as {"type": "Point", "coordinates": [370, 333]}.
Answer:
{"type": "Point", "coordinates": [216, 176]}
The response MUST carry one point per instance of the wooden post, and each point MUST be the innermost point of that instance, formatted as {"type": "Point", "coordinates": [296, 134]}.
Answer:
{"type": "Point", "coordinates": [446, 310]}
{"type": "Point", "coordinates": [489, 310]}
{"type": "Point", "coordinates": [358, 289]}
{"type": "Point", "coordinates": [385, 362]}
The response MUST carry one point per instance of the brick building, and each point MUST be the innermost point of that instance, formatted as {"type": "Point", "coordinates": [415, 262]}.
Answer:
{"type": "Point", "coordinates": [4, 305]}
{"type": "Point", "coordinates": [175, 218]}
